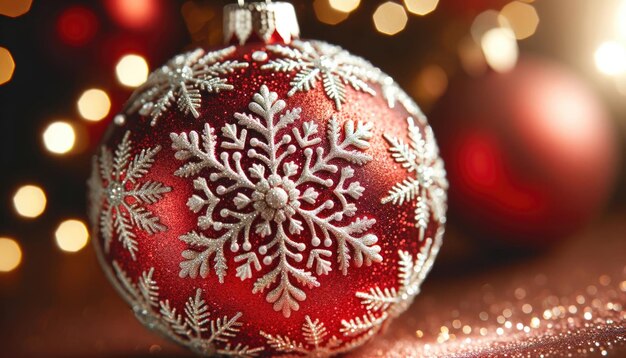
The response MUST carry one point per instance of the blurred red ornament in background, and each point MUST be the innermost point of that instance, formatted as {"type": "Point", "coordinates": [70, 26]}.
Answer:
{"type": "Point", "coordinates": [134, 14]}
{"type": "Point", "coordinates": [530, 154]}
{"type": "Point", "coordinates": [77, 25]}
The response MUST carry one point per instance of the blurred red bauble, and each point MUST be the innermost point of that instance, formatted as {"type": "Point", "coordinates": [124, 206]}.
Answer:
{"type": "Point", "coordinates": [134, 14]}
{"type": "Point", "coordinates": [530, 154]}
{"type": "Point", "coordinates": [278, 197]}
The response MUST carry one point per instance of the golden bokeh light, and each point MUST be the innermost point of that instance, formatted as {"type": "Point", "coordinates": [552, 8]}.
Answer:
{"type": "Point", "coordinates": [14, 8]}
{"type": "Point", "coordinates": [390, 18]}
{"type": "Point", "coordinates": [610, 58]}
{"type": "Point", "coordinates": [500, 49]}
{"type": "Point", "coordinates": [327, 14]}
{"type": "Point", "coordinates": [59, 137]}
{"type": "Point", "coordinates": [345, 5]}
{"type": "Point", "coordinates": [484, 22]}
{"type": "Point", "coordinates": [7, 65]}
{"type": "Point", "coordinates": [521, 17]}
{"type": "Point", "coordinates": [421, 7]}
{"type": "Point", "coordinates": [471, 57]}
{"type": "Point", "coordinates": [10, 254]}
{"type": "Point", "coordinates": [29, 201]}
{"type": "Point", "coordinates": [432, 82]}
{"type": "Point", "coordinates": [72, 235]}
{"type": "Point", "coordinates": [94, 104]}
{"type": "Point", "coordinates": [132, 70]}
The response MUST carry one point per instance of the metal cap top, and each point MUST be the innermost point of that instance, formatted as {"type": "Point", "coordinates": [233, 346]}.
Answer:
{"type": "Point", "coordinates": [267, 21]}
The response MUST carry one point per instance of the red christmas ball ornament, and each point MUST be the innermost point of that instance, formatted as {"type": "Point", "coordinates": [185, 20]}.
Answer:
{"type": "Point", "coordinates": [530, 154]}
{"type": "Point", "coordinates": [278, 197]}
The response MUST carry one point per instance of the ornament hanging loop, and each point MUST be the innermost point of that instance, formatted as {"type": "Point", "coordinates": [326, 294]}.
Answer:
{"type": "Point", "coordinates": [268, 21]}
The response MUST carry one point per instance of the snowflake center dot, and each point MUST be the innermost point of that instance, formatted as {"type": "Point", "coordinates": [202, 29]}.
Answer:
{"type": "Point", "coordinates": [115, 193]}
{"type": "Point", "coordinates": [277, 198]}
{"type": "Point", "coordinates": [185, 73]}
{"type": "Point", "coordinates": [325, 64]}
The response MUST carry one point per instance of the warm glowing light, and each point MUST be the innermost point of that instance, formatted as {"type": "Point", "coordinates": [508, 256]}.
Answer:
{"type": "Point", "coordinates": [29, 201]}
{"type": "Point", "coordinates": [471, 56]}
{"type": "Point", "coordinates": [500, 49]}
{"type": "Point", "coordinates": [59, 137]}
{"type": "Point", "coordinates": [133, 13]}
{"type": "Point", "coordinates": [345, 5]}
{"type": "Point", "coordinates": [132, 70]}
{"type": "Point", "coordinates": [15, 8]}
{"type": "Point", "coordinates": [620, 20]}
{"type": "Point", "coordinates": [484, 22]}
{"type": "Point", "coordinates": [72, 235]}
{"type": "Point", "coordinates": [390, 18]}
{"type": "Point", "coordinates": [10, 254]}
{"type": "Point", "coordinates": [94, 104]}
{"type": "Point", "coordinates": [610, 58]}
{"type": "Point", "coordinates": [432, 82]}
{"type": "Point", "coordinates": [77, 25]}
{"type": "Point", "coordinates": [522, 18]}
{"type": "Point", "coordinates": [327, 14]}
{"type": "Point", "coordinates": [7, 66]}
{"type": "Point", "coordinates": [421, 7]}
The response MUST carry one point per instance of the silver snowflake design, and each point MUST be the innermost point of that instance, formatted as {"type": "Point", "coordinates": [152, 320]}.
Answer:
{"type": "Point", "coordinates": [393, 94]}
{"type": "Point", "coordinates": [429, 185]}
{"type": "Point", "coordinates": [267, 206]}
{"type": "Point", "coordinates": [192, 328]}
{"type": "Point", "coordinates": [384, 304]}
{"type": "Point", "coordinates": [181, 81]}
{"type": "Point", "coordinates": [315, 60]}
{"type": "Point", "coordinates": [119, 196]}
{"type": "Point", "coordinates": [318, 344]}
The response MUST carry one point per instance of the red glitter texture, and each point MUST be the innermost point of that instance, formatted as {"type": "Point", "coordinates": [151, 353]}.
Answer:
{"type": "Point", "coordinates": [334, 300]}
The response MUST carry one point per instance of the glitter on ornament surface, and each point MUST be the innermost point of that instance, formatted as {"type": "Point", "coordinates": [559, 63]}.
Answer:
{"type": "Point", "coordinates": [274, 206]}
{"type": "Point", "coordinates": [119, 200]}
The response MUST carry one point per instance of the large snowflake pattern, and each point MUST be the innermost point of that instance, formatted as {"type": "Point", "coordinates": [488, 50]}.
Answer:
{"type": "Point", "coordinates": [315, 60]}
{"type": "Point", "coordinates": [429, 185]}
{"type": "Point", "coordinates": [119, 196]}
{"type": "Point", "coordinates": [181, 81]}
{"type": "Point", "coordinates": [192, 328]}
{"type": "Point", "coordinates": [276, 201]}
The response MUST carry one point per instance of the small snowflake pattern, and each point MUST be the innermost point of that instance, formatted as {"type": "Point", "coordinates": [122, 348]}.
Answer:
{"type": "Point", "coordinates": [427, 185]}
{"type": "Point", "coordinates": [318, 343]}
{"type": "Point", "coordinates": [120, 196]}
{"type": "Point", "coordinates": [275, 199]}
{"type": "Point", "coordinates": [193, 327]}
{"type": "Point", "coordinates": [182, 81]}
{"type": "Point", "coordinates": [315, 61]}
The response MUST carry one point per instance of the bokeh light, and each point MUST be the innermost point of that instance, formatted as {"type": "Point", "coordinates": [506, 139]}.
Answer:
{"type": "Point", "coordinates": [485, 21]}
{"type": "Point", "coordinates": [471, 57]}
{"type": "Point", "coordinates": [94, 104]}
{"type": "Point", "coordinates": [522, 18]}
{"type": "Point", "coordinates": [59, 137]}
{"type": "Point", "coordinates": [610, 58]}
{"type": "Point", "coordinates": [327, 14]}
{"type": "Point", "coordinates": [10, 254]}
{"type": "Point", "coordinates": [14, 8]}
{"type": "Point", "coordinates": [390, 18]}
{"type": "Point", "coordinates": [7, 66]}
{"type": "Point", "coordinates": [72, 235]}
{"type": "Point", "coordinates": [421, 7]}
{"type": "Point", "coordinates": [500, 49]}
{"type": "Point", "coordinates": [132, 70]}
{"type": "Point", "coordinates": [345, 5]}
{"type": "Point", "coordinates": [77, 25]}
{"type": "Point", "coordinates": [134, 13]}
{"type": "Point", "coordinates": [432, 82]}
{"type": "Point", "coordinates": [29, 201]}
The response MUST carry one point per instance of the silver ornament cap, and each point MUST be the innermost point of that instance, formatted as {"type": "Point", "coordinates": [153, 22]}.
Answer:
{"type": "Point", "coordinates": [268, 21]}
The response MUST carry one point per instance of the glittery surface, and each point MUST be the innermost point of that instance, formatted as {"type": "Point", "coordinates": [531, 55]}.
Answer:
{"type": "Point", "coordinates": [334, 303]}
